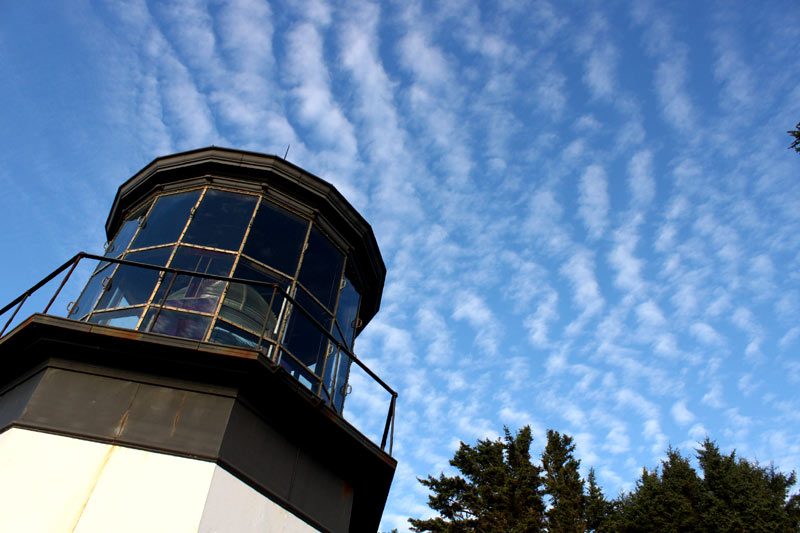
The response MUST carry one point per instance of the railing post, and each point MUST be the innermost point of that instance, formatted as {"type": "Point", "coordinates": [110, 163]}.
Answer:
{"type": "Point", "coordinates": [389, 424]}
{"type": "Point", "coordinates": [266, 317]}
{"type": "Point", "coordinates": [64, 281]}
{"type": "Point", "coordinates": [163, 300]}
{"type": "Point", "coordinates": [15, 312]}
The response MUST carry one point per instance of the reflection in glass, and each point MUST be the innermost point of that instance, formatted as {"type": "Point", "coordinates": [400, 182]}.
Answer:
{"type": "Point", "coordinates": [224, 333]}
{"type": "Point", "coordinates": [176, 323]}
{"type": "Point", "coordinates": [120, 243]}
{"type": "Point", "coordinates": [84, 305]}
{"type": "Point", "coordinates": [276, 238]}
{"type": "Point", "coordinates": [322, 268]}
{"type": "Point", "coordinates": [220, 220]}
{"type": "Point", "coordinates": [319, 314]}
{"type": "Point", "coordinates": [305, 340]}
{"type": "Point", "coordinates": [301, 374]}
{"type": "Point", "coordinates": [190, 292]}
{"type": "Point", "coordinates": [247, 305]}
{"type": "Point", "coordinates": [340, 385]}
{"type": "Point", "coordinates": [166, 220]}
{"type": "Point", "coordinates": [133, 285]}
{"type": "Point", "coordinates": [347, 311]}
{"type": "Point", "coordinates": [123, 318]}
{"type": "Point", "coordinates": [327, 371]}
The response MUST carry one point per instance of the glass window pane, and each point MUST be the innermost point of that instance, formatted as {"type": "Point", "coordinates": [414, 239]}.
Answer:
{"type": "Point", "coordinates": [124, 318]}
{"type": "Point", "coordinates": [133, 285]}
{"type": "Point", "coordinates": [195, 293]}
{"type": "Point", "coordinates": [314, 309]}
{"type": "Point", "coordinates": [301, 374]}
{"type": "Point", "coordinates": [340, 385]}
{"type": "Point", "coordinates": [246, 305]}
{"type": "Point", "coordinates": [220, 220]}
{"type": "Point", "coordinates": [276, 238]}
{"type": "Point", "coordinates": [120, 243]}
{"type": "Point", "coordinates": [86, 302]}
{"type": "Point", "coordinates": [347, 312]}
{"type": "Point", "coordinates": [322, 268]}
{"type": "Point", "coordinates": [166, 220]}
{"type": "Point", "coordinates": [224, 333]}
{"type": "Point", "coordinates": [306, 341]}
{"type": "Point", "coordinates": [176, 324]}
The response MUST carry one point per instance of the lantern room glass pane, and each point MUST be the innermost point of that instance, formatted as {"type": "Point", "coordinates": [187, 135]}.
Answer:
{"type": "Point", "coordinates": [347, 312]}
{"type": "Point", "coordinates": [303, 375]}
{"type": "Point", "coordinates": [90, 294]}
{"type": "Point", "coordinates": [193, 292]}
{"type": "Point", "coordinates": [321, 270]}
{"type": "Point", "coordinates": [166, 220]}
{"type": "Point", "coordinates": [225, 333]}
{"type": "Point", "coordinates": [176, 323]}
{"type": "Point", "coordinates": [276, 238]}
{"type": "Point", "coordinates": [122, 318]}
{"type": "Point", "coordinates": [340, 385]}
{"type": "Point", "coordinates": [247, 305]}
{"type": "Point", "coordinates": [220, 220]}
{"type": "Point", "coordinates": [314, 309]}
{"type": "Point", "coordinates": [120, 243]}
{"type": "Point", "coordinates": [132, 285]}
{"type": "Point", "coordinates": [306, 341]}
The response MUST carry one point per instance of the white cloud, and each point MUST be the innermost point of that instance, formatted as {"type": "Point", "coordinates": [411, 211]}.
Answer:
{"type": "Point", "coordinates": [713, 397]}
{"type": "Point", "coordinates": [617, 440]}
{"type": "Point", "coordinates": [681, 414]}
{"type": "Point", "coordinates": [676, 104]}
{"type": "Point", "coordinates": [317, 107]}
{"type": "Point", "coordinates": [472, 308]}
{"type": "Point", "coordinates": [600, 72]}
{"type": "Point", "coordinates": [538, 323]}
{"type": "Point", "coordinates": [544, 222]}
{"type": "Point", "coordinates": [593, 201]}
{"type": "Point", "coordinates": [706, 334]}
{"type": "Point", "coordinates": [650, 314]}
{"type": "Point", "coordinates": [625, 261]}
{"type": "Point", "coordinates": [579, 270]}
{"type": "Point", "coordinates": [641, 181]}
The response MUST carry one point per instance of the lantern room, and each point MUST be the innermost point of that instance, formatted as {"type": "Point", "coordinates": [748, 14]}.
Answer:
{"type": "Point", "coordinates": [251, 217]}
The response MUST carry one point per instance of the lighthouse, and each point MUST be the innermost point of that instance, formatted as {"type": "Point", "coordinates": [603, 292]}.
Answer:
{"type": "Point", "coordinates": [199, 379]}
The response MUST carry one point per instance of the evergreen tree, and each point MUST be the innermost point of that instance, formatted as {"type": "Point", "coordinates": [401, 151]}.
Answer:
{"type": "Point", "coordinates": [498, 491]}
{"type": "Point", "coordinates": [744, 496]}
{"type": "Point", "coordinates": [796, 134]}
{"type": "Point", "coordinates": [734, 495]}
{"type": "Point", "coordinates": [668, 501]}
{"type": "Point", "coordinates": [563, 484]}
{"type": "Point", "coordinates": [596, 508]}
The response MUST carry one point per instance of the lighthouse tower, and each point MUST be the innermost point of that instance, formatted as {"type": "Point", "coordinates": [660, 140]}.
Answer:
{"type": "Point", "coordinates": [199, 380]}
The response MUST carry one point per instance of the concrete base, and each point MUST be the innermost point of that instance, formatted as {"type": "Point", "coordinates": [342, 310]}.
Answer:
{"type": "Point", "coordinates": [53, 483]}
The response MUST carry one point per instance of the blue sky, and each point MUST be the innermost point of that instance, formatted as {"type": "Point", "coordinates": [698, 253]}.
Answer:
{"type": "Point", "coordinates": [587, 210]}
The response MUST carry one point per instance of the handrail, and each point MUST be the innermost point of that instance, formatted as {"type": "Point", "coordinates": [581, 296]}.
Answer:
{"type": "Point", "coordinates": [73, 262]}
{"type": "Point", "coordinates": [44, 281]}
{"type": "Point", "coordinates": [266, 284]}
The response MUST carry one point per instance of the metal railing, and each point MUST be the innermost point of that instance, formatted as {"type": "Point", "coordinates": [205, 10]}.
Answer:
{"type": "Point", "coordinates": [273, 348]}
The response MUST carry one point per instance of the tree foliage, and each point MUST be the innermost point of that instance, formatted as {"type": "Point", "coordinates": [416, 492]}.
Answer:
{"type": "Point", "coordinates": [796, 134]}
{"type": "Point", "coordinates": [499, 489]}
{"type": "Point", "coordinates": [733, 495]}
{"type": "Point", "coordinates": [563, 484]}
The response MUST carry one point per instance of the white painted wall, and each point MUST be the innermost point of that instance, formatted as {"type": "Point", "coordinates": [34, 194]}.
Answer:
{"type": "Point", "coordinates": [233, 506]}
{"type": "Point", "coordinates": [53, 484]}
